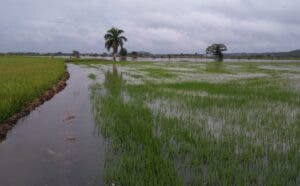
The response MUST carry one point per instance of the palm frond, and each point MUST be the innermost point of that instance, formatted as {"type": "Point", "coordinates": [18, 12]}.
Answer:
{"type": "Point", "coordinates": [123, 38]}
{"type": "Point", "coordinates": [114, 39]}
{"type": "Point", "coordinates": [108, 35]}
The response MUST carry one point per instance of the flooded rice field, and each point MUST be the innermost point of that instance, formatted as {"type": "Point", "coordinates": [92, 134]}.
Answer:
{"type": "Point", "coordinates": [187, 59]}
{"type": "Point", "coordinates": [156, 123]}
{"type": "Point", "coordinates": [215, 123]}
{"type": "Point", "coordinates": [58, 143]}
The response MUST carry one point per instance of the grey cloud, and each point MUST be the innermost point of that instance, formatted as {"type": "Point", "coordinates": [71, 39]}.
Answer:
{"type": "Point", "coordinates": [160, 26]}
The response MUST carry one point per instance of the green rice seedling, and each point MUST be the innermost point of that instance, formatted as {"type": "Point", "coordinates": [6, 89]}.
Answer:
{"type": "Point", "coordinates": [22, 79]}
{"type": "Point", "coordinates": [242, 130]}
{"type": "Point", "coordinates": [92, 76]}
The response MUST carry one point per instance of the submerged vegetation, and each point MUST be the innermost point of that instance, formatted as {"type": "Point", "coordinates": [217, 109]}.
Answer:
{"type": "Point", "coordinates": [92, 76]}
{"type": "Point", "coordinates": [22, 79]}
{"type": "Point", "coordinates": [199, 123]}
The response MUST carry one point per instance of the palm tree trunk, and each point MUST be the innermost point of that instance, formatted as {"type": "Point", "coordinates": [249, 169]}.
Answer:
{"type": "Point", "coordinates": [115, 54]}
{"type": "Point", "coordinates": [114, 57]}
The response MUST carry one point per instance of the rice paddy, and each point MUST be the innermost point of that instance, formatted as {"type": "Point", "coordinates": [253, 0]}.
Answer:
{"type": "Point", "coordinates": [178, 123]}
{"type": "Point", "coordinates": [22, 79]}
{"type": "Point", "coordinates": [186, 123]}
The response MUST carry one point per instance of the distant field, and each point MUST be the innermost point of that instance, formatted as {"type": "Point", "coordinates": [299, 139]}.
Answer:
{"type": "Point", "coordinates": [183, 123]}
{"type": "Point", "coordinates": [22, 79]}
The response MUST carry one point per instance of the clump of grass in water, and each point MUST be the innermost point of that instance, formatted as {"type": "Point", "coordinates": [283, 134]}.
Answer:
{"type": "Point", "coordinates": [92, 76]}
{"type": "Point", "coordinates": [256, 122]}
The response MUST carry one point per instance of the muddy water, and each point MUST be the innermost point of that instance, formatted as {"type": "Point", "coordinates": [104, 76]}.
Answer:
{"type": "Point", "coordinates": [58, 143]}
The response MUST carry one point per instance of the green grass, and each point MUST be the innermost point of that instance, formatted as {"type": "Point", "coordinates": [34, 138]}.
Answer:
{"type": "Point", "coordinates": [217, 68]}
{"type": "Point", "coordinates": [158, 72]}
{"type": "Point", "coordinates": [182, 123]}
{"type": "Point", "coordinates": [22, 79]}
{"type": "Point", "coordinates": [92, 76]}
{"type": "Point", "coordinates": [204, 127]}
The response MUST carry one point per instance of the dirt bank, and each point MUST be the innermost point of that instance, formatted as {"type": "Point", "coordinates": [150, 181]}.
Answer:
{"type": "Point", "coordinates": [8, 124]}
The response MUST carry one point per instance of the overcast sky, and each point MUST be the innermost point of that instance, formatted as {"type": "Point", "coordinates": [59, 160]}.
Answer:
{"type": "Point", "coordinates": [158, 26]}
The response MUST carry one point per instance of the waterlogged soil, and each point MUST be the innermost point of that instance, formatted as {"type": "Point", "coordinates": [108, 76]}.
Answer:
{"type": "Point", "coordinates": [58, 143]}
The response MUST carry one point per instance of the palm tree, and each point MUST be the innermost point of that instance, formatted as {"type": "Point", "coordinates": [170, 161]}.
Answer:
{"type": "Point", "coordinates": [114, 40]}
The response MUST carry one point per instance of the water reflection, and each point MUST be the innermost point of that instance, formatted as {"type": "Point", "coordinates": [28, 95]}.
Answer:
{"type": "Point", "coordinates": [216, 67]}
{"type": "Point", "coordinates": [114, 82]}
{"type": "Point", "coordinates": [2, 138]}
{"type": "Point", "coordinates": [56, 144]}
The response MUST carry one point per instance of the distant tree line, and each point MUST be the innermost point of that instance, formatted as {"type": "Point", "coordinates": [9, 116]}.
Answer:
{"type": "Point", "coordinates": [269, 56]}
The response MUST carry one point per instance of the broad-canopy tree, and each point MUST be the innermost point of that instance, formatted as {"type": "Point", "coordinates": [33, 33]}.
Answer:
{"type": "Point", "coordinates": [76, 54]}
{"type": "Point", "coordinates": [123, 52]}
{"type": "Point", "coordinates": [217, 50]}
{"type": "Point", "coordinates": [113, 40]}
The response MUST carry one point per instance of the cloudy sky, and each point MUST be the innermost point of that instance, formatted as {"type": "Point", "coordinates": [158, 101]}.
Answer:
{"type": "Point", "coordinates": [158, 26]}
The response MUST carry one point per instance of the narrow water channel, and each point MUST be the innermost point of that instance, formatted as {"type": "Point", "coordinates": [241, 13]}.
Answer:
{"type": "Point", "coordinates": [58, 143]}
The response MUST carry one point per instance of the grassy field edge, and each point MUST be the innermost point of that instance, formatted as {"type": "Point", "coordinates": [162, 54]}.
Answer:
{"type": "Point", "coordinates": [25, 88]}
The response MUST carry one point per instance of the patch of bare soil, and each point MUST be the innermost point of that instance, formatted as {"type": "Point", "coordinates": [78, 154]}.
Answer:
{"type": "Point", "coordinates": [8, 125]}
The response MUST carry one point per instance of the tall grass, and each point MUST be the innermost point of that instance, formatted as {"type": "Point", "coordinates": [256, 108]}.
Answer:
{"type": "Point", "coordinates": [22, 79]}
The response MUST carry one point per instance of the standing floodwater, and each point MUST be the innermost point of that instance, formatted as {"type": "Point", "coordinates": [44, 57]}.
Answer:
{"type": "Point", "coordinates": [58, 143]}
